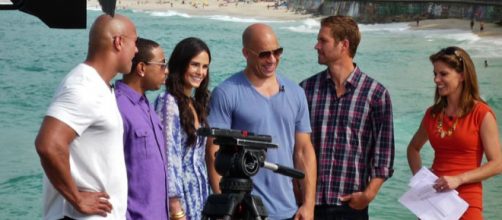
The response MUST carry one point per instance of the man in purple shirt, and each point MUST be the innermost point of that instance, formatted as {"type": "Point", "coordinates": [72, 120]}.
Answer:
{"type": "Point", "coordinates": [144, 150]}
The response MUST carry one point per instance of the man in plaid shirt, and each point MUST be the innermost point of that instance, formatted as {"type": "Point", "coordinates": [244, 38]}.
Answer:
{"type": "Point", "coordinates": [352, 128]}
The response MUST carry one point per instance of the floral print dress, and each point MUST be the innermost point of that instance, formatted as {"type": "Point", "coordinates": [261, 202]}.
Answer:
{"type": "Point", "coordinates": [187, 173]}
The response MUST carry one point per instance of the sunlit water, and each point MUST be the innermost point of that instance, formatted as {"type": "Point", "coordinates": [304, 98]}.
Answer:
{"type": "Point", "coordinates": [34, 58]}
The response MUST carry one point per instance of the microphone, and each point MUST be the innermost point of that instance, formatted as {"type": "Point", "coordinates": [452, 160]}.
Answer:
{"type": "Point", "coordinates": [281, 89]}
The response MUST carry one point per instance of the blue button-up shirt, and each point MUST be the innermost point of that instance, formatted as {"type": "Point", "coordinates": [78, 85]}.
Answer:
{"type": "Point", "coordinates": [144, 154]}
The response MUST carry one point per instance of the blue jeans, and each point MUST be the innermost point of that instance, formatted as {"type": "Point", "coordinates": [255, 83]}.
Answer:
{"type": "Point", "coordinates": [343, 212]}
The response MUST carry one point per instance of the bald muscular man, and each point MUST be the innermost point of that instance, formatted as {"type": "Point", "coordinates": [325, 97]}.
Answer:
{"type": "Point", "coordinates": [80, 141]}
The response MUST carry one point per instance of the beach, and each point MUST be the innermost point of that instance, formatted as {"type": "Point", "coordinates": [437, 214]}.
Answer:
{"type": "Point", "coordinates": [490, 29]}
{"type": "Point", "coordinates": [248, 9]}
{"type": "Point", "coordinates": [267, 10]}
{"type": "Point", "coordinates": [35, 58]}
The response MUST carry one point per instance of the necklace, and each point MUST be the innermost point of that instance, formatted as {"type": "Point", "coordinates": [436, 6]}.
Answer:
{"type": "Point", "coordinates": [445, 132]}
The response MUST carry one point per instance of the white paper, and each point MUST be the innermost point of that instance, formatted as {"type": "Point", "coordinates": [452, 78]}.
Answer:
{"type": "Point", "coordinates": [427, 204]}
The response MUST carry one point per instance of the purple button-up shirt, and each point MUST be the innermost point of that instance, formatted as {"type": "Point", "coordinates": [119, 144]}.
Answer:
{"type": "Point", "coordinates": [144, 154]}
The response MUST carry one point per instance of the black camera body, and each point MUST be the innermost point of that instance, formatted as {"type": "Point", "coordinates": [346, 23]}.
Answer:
{"type": "Point", "coordinates": [241, 153]}
{"type": "Point", "coordinates": [240, 157]}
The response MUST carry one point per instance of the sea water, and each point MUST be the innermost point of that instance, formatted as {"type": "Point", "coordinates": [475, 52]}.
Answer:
{"type": "Point", "coordinates": [34, 59]}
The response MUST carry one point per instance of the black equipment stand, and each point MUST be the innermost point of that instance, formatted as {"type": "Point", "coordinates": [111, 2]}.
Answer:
{"type": "Point", "coordinates": [235, 202]}
{"type": "Point", "coordinates": [240, 156]}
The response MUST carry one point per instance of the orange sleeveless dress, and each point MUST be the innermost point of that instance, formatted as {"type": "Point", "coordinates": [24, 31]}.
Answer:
{"type": "Point", "coordinates": [460, 152]}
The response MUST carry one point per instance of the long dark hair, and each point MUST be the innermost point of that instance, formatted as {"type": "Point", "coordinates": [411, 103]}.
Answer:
{"type": "Point", "coordinates": [180, 58]}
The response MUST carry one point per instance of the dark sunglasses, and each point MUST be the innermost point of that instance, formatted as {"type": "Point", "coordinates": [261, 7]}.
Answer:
{"type": "Point", "coordinates": [266, 54]}
{"type": "Point", "coordinates": [452, 51]}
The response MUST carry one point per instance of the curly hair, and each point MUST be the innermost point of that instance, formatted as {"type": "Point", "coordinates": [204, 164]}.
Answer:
{"type": "Point", "coordinates": [179, 62]}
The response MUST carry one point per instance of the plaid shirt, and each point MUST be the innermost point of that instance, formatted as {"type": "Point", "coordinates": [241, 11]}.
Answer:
{"type": "Point", "coordinates": [352, 134]}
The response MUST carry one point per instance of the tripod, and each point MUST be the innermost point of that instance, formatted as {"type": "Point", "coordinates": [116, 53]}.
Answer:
{"type": "Point", "coordinates": [240, 156]}
{"type": "Point", "coordinates": [235, 202]}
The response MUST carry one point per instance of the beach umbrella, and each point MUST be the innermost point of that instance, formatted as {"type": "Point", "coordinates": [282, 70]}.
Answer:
{"type": "Point", "coordinates": [59, 13]}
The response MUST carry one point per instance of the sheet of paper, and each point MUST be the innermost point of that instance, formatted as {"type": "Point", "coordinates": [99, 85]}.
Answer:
{"type": "Point", "coordinates": [427, 204]}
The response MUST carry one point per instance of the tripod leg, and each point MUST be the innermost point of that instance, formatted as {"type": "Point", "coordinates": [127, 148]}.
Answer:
{"type": "Point", "coordinates": [255, 207]}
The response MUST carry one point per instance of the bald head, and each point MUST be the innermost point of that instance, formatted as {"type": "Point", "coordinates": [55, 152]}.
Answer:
{"type": "Point", "coordinates": [105, 28]}
{"type": "Point", "coordinates": [261, 50]}
{"type": "Point", "coordinates": [256, 34]}
{"type": "Point", "coordinates": [112, 45]}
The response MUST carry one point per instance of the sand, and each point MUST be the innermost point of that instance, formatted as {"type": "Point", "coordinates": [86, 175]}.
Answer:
{"type": "Point", "coordinates": [490, 29]}
{"type": "Point", "coordinates": [266, 10]}
{"type": "Point", "coordinates": [258, 10]}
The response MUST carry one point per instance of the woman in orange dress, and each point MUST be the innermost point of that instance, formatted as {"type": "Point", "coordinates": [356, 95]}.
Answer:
{"type": "Point", "coordinates": [460, 127]}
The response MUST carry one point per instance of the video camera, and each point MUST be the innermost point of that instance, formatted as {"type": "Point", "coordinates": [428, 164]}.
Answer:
{"type": "Point", "coordinates": [241, 153]}
{"type": "Point", "coordinates": [240, 157]}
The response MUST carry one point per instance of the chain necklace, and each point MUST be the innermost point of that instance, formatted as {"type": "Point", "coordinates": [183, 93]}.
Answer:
{"type": "Point", "coordinates": [445, 132]}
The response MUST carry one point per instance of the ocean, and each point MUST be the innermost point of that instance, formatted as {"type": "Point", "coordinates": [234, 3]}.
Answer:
{"type": "Point", "coordinates": [34, 59]}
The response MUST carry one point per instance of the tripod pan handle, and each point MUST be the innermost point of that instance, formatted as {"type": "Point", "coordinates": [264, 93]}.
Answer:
{"type": "Point", "coordinates": [291, 172]}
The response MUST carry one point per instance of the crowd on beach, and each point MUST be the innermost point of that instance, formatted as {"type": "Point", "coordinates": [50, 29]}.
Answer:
{"type": "Point", "coordinates": [109, 151]}
{"type": "Point", "coordinates": [257, 9]}
{"type": "Point", "coordinates": [279, 9]}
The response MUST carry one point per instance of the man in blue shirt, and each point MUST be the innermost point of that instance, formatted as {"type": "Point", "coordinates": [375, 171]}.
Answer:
{"type": "Point", "coordinates": [260, 101]}
{"type": "Point", "coordinates": [144, 149]}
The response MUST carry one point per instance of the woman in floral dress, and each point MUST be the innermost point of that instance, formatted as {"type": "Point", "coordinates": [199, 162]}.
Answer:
{"type": "Point", "coordinates": [183, 109]}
